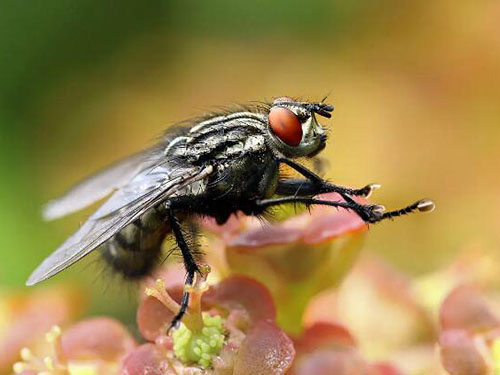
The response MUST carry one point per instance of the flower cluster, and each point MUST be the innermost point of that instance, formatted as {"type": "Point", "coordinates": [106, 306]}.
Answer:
{"type": "Point", "coordinates": [273, 304]}
{"type": "Point", "coordinates": [469, 339]}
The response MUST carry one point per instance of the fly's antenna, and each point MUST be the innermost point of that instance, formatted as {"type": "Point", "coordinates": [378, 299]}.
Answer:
{"type": "Point", "coordinates": [321, 109]}
{"type": "Point", "coordinates": [325, 97]}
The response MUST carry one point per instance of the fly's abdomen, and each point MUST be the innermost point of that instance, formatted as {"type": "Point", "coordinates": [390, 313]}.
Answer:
{"type": "Point", "coordinates": [136, 250]}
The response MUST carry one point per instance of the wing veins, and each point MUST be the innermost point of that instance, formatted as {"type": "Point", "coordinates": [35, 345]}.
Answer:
{"type": "Point", "coordinates": [71, 251]}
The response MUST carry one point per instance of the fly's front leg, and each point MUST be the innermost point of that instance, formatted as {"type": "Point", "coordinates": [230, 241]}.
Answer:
{"type": "Point", "coordinates": [314, 184]}
{"type": "Point", "coordinates": [189, 264]}
{"type": "Point", "coordinates": [368, 213]}
{"type": "Point", "coordinates": [304, 187]}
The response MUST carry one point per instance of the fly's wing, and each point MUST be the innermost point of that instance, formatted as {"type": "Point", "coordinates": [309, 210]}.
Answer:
{"type": "Point", "coordinates": [144, 191]}
{"type": "Point", "coordinates": [101, 184]}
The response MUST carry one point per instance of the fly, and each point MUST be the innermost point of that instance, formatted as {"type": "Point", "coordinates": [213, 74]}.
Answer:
{"type": "Point", "coordinates": [213, 167]}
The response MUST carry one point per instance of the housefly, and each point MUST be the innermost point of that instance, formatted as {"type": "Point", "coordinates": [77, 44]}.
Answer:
{"type": "Point", "coordinates": [213, 166]}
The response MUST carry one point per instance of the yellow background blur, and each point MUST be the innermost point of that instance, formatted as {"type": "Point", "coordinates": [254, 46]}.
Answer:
{"type": "Point", "coordinates": [416, 87]}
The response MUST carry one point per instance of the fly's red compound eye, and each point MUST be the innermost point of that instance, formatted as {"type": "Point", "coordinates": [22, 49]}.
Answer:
{"type": "Point", "coordinates": [285, 125]}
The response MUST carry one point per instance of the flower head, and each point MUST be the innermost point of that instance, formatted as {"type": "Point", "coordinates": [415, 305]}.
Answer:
{"type": "Point", "coordinates": [229, 328]}
{"type": "Point", "coordinates": [296, 258]}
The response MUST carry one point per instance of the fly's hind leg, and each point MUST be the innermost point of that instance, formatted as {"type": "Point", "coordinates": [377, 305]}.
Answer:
{"type": "Point", "coordinates": [189, 264]}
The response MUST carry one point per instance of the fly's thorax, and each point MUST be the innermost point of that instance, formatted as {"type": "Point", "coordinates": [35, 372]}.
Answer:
{"type": "Point", "coordinates": [219, 139]}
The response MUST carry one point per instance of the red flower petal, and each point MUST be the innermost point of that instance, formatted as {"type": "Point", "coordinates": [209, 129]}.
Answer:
{"type": "Point", "coordinates": [266, 350]}
{"type": "Point", "coordinates": [319, 225]}
{"type": "Point", "coordinates": [384, 368]}
{"type": "Point", "coordinates": [270, 234]}
{"type": "Point", "coordinates": [101, 338]}
{"type": "Point", "coordinates": [324, 335]}
{"type": "Point", "coordinates": [329, 362]}
{"type": "Point", "coordinates": [242, 292]}
{"type": "Point", "coordinates": [145, 360]}
{"type": "Point", "coordinates": [464, 308]}
{"type": "Point", "coordinates": [328, 223]}
{"type": "Point", "coordinates": [459, 354]}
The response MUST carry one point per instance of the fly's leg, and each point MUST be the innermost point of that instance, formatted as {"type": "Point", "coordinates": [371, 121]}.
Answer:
{"type": "Point", "coordinates": [368, 213]}
{"type": "Point", "coordinates": [189, 264]}
{"type": "Point", "coordinates": [304, 187]}
{"type": "Point", "coordinates": [314, 184]}
{"type": "Point", "coordinates": [297, 190]}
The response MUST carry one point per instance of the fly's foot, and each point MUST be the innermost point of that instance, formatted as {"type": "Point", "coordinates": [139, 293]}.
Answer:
{"type": "Point", "coordinates": [367, 191]}
{"type": "Point", "coordinates": [426, 205]}
{"type": "Point", "coordinates": [371, 213]}
{"type": "Point", "coordinates": [377, 213]}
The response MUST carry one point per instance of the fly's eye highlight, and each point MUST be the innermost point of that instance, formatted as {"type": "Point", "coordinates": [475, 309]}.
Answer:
{"type": "Point", "coordinates": [285, 125]}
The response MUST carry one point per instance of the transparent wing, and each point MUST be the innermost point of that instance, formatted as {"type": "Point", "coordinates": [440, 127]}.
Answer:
{"type": "Point", "coordinates": [144, 191]}
{"type": "Point", "coordinates": [101, 184]}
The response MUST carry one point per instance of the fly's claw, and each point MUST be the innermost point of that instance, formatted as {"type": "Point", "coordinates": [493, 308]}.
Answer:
{"type": "Point", "coordinates": [370, 214]}
{"type": "Point", "coordinates": [375, 213]}
{"type": "Point", "coordinates": [426, 205]}
{"type": "Point", "coordinates": [204, 271]}
{"type": "Point", "coordinates": [367, 191]}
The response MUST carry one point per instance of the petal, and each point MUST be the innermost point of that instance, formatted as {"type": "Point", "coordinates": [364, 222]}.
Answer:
{"type": "Point", "coordinates": [318, 225]}
{"type": "Point", "coordinates": [270, 234]}
{"type": "Point", "coordinates": [459, 354]}
{"type": "Point", "coordinates": [377, 305]}
{"type": "Point", "coordinates": [328, 362]}
{"type": "Point", "coordinates": [328, 223]}
{"type": "Point", "coordinates": [101, 338]}
{"type": "Point", "coordinates": [242, 292]}
{"type": "Point", "coordinates": [266, 350]}
{"type": "Point", "coordinates": [324, 335]}
{"type": "Point", "coordinates": [145, 360]}
{"type": "Point", "coordinates": [384, 368]}
{"type": "Point", "coordinates": [465, 309]}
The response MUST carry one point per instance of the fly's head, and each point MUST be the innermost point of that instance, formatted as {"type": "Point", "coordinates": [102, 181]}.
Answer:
{"type": "Point", "coordinates": [293, 128]}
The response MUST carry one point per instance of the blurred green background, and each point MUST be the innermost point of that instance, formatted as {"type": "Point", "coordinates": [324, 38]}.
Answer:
{"type": "Point", "coordinates": [416, 86]}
